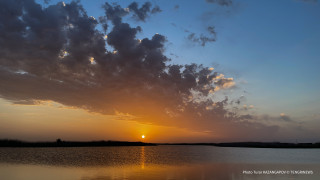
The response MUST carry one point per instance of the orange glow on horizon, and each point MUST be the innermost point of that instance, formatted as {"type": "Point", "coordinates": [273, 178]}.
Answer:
{"type": "Point", "coordinates": [76, 124]}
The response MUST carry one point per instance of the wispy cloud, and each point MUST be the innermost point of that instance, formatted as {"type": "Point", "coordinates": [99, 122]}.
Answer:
{"type": "Point", "coordinates": [221, 2]}
{"type": "Point", "coordinates": [203, 39]}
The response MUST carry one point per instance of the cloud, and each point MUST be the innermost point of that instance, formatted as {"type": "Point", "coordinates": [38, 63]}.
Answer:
{"type": "Point", "coordinates": [221, 2]}
{"type": "Point", "coordinates": [246, 107]}
{"type": "Point", "coordinates": [267, 119]}
{"type": "Point", "coordinates": [156, 9]}
{"type": "Point", "coordinates": [223, 83]}
{"type": "Point", "coordinates": [57, 53]}
{"type": "Point", "coordinates": [309, 1]}
{"type": "Point", "coordinates": [142, 12]}
{"type": "Point", "coordinates": [55, 48]}
{"type": "Point", "coordinates": [203, 39]}
{"type": "Point", "coordinates": [114, 13]}
{"type": "Point", "coordinates": [285, 117]}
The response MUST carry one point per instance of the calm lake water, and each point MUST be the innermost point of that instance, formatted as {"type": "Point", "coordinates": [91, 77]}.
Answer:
{"type": "Point", "coordinates": [158, 162]}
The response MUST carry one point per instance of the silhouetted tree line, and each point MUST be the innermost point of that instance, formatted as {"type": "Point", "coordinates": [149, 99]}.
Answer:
{"type": "Point", "coordinates": [60, 143]}
{"type": "Point", "coordinates": [253, 144]}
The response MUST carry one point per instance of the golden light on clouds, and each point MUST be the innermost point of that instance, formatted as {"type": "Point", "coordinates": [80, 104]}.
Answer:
{"type": "Point", "coordinates": [48, 120]}
{"type": "Point", "coordinates": [223, 83]}
{"type": "Point", "coordinates": [231, 83]}
{"type": "Point", "coordinates": [126, 9]}
{"type": "Point", "coordinates": [92, 61]}
{"type": "Point", "coordinates": [63, 54]}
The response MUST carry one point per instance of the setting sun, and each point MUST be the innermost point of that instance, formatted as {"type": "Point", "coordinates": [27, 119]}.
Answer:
{"type": "Point", "coordinates": [143, 136]}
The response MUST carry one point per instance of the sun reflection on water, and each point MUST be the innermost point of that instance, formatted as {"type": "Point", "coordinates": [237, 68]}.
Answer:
{"type": "Point", "coordinates": [142, 157]}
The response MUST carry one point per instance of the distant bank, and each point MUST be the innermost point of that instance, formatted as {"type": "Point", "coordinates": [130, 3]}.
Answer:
{"type": "Point", "coordinates": [254, 144]}
{"type": "Point", "coordinates": [60, 143]}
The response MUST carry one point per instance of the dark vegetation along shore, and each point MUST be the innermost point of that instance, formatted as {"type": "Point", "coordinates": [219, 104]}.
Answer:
{"type": "Point", "coordinates": [60, 143]}
{"type": "Point", "coordinates": [254, 144]}
{"type": "Point", "coordinates": [270, 145]}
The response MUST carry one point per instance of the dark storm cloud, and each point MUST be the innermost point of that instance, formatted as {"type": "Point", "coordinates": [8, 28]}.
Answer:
{"type": "Point", "coordinates": [57, 53]}
{"type": "Point", "coordinates": [203, 39]}
{"type": "Point", "coordinates": [221, 2]}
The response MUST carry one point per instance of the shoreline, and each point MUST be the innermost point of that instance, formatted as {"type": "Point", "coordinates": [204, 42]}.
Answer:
{"type": "Point", "coordinates": [59, 143]}
{"type": "Point", "coordinates": [103, 143]}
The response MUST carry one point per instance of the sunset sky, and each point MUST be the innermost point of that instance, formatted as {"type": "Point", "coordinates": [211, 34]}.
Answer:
{"type": "Point", "coordinates": [174, 71]}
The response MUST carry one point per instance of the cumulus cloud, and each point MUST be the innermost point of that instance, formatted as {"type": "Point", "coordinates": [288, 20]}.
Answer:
{"type": "Point", "coordinates": [57, 53]}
